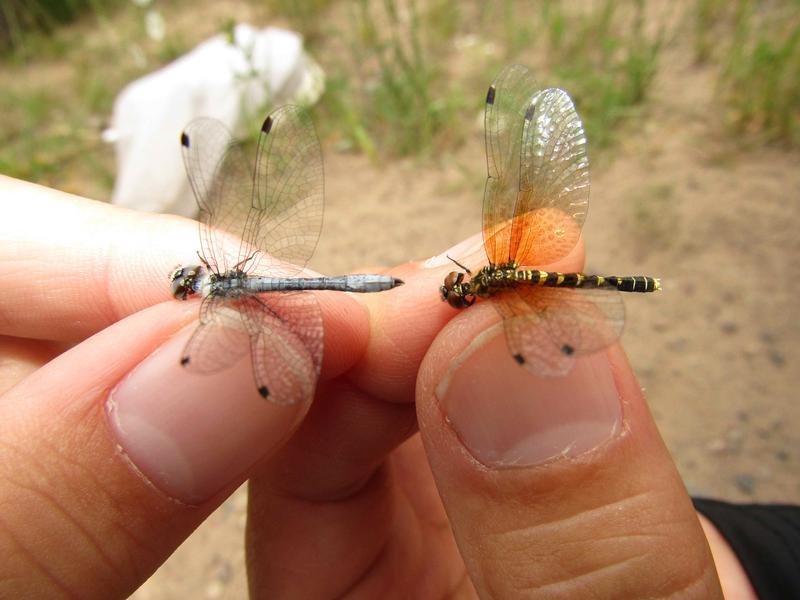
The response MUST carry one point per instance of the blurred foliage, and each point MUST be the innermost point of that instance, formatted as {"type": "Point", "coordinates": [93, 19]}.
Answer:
{"type": "Point", "coordinates": [760, 81]}
{"type": "Point", "coordinates": [386, 93]}
{"type": "Point", "coordinates": [58, 85]}
{"type": "Point", "coordinates": [604, 56]}
{"type": "Point", "coordinates": [757, 46]}
{"type": "Point", "coordinates": [20, 18]}
{"type": "Point", "coordinates": [403, 76]}
{"type": "Point", "coordinates": [705, 16]}
{"type": "Point", "coordinates": [303, 15]}
{"type": "Point", "coordinates": [391, 92]}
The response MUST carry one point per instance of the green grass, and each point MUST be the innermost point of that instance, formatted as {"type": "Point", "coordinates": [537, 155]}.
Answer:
{"type": "Point", "coordinates": [21, 154]}
{"type": "Point", "coordinates": [307, 16]}
{"type": "Point", "coordinates": [390, 94]}
{"type": "Point", "coordinates": [25, 25]}
{"type": "Point", "coordinates": [42, 138]}
{"type": "Point", "coordinates": [386, 93]}
{"type": "Point", "coordinates": [756, 48]}
{"type": "Point", "coordinates": [760, 81]}
{"type": "Point", "coordinates": [705, 18]}
{"type": "Point", "coordinates": [404, 77]}
{"type": "Point", "coordinates": [603, 56]}
{"type": "Point", "coordinates": [57, 90]}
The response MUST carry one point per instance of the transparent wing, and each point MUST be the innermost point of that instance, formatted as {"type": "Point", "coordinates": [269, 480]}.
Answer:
{"type": "Point", "coordinates": [553, 182]}
{"type": "Point", "coordinates": [222, 185]}
{"type": "Point", "coordinates": [219, 340]}
{"type": "Point", "coordinates": [285, 344]}
{"type": "Point", "coordinates": [289, 190]}
{"type": "Point", "coordinates": [546, 328]}
{"type": "Point", "coordinates": [507, 101]}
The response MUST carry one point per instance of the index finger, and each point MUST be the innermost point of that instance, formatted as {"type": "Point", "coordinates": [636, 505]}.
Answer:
{"type": "Point", "coordinates": [71, 266]}
{"type": "Point", "coordinates": [403, 324]}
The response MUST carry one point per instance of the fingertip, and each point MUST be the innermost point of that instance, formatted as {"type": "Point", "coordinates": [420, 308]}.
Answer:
{"type": "Point", "coordinates": [193, 434]}
{"type": "Point", "coordinates": [402, 323]}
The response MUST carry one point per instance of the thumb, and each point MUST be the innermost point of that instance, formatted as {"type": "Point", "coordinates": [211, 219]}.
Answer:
{"type": "Point", "coordinates": [555, 486]}
{"type": "Point", "coordinates": [112, 454]}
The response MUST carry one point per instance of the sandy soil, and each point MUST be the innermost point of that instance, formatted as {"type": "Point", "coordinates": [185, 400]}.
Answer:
{"type": "Point", "coordinates": [716, 351]}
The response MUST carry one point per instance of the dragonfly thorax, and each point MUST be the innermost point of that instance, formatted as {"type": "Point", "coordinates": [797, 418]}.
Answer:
{"type": "Point", "coordinates": [232, 283]}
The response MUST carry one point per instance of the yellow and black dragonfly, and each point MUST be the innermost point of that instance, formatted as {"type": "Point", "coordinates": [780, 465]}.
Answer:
{"type": "Point", "coordinates": [534, 206]}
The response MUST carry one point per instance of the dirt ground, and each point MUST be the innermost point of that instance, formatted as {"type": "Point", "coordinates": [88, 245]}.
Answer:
{"type": "Point", "coordinates": [716, 351]}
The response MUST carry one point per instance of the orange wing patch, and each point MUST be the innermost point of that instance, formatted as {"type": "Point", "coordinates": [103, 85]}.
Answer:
{"type": "Point", "coordinates": [543, 236]}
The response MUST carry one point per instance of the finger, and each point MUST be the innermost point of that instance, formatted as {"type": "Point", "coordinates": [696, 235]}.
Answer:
{"type": "Point", "coordinates": [112, 453]}
{"type": "Point", "coordinates": [404, 322]}
{"type": "Point", "coordinates": [324, 514]}
{"type": "Point", "coordinates": [732, 575]}
{"type": "Point", "coordinates": [317, 510]}
{"type": "Point", "coordinates": [85, 264]}
{"type": "Point", "coordinates": [332, 482]}
{"type": "Point", "coordinates": [555, 486]}
{"type": "Point", "coordinates": [21, 357]}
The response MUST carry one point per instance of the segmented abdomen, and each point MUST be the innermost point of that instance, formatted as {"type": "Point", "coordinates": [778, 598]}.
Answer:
{"type": "Point", "coordinates": [635, 283]}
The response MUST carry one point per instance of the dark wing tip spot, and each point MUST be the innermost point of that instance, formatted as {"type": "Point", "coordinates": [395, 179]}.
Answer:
{"type": "Point", "coordinates": [266, 127]}
{"type": "Point", "coordinates": [263, 391]}
{"type": "Point", "coordinates": [184, 361]}
{"type": "Point", "coordinates": [529, 112]}
{"type": "Point", "coordinates": [184, 139]}
{"type": "Point", "coordinates": [567, 349]}
{"type": "Point", "coordinates": [490, 95]}
{"type": "Point", "coordinates": [519, 358]}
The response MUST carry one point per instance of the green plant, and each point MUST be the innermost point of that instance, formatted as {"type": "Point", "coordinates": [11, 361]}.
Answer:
{"type": "Point", "coordinates": [605, 57]}
{"type": "Point", "coordinates": [306, 16]}
{"type": "Point", "coordinates": [388, 94]}
{"type": "Point", "coordinates": [706, 16]}
{"type": "Point", "coordinates": [20, 19]}
{"type": "Point", "coordinates": [760, 79]}
{"type": "Point", "coordinates": [604, 54]}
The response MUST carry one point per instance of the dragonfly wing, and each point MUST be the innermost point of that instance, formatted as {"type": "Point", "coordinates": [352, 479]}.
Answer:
{"type": "Point", "coordinates": [553, 180]}
{"type": "Point", "coordinates": [547, 328]}
{"type": "Point", "coordinates": [222, 183]}
{"type": "Point", "coordinates": [285, 344]}
{"type": "Point", "coordinates": [219, 340]}
{"type": "Point", "coordinates": [288, 197]}
{"type": "Point", "coordinates": [507, 101]}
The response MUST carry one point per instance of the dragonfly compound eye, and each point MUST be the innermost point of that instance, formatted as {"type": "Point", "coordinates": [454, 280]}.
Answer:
{"type": "Point", "coordinates": [183, 281]}
{"type": "Point", "coordinates": [453, 278]}
{"type": "Point", "coordinates": [450, 281]}
{"type": "Point", "coordinates": [458, 300]}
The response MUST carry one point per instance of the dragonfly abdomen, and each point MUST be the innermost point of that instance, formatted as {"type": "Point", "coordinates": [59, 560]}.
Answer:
{"type": "Point", "coordinates": [634, 283]}
{"type": "Point", "coordinates": [341, 283]}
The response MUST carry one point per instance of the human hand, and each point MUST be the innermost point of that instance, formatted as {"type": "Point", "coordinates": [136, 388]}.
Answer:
{"type": "Point", "coordinates": [549, 487]}
{"type": "Point", "coordinates": [340, 503]}
{"type": "Point", "coordinates": [112, 454]}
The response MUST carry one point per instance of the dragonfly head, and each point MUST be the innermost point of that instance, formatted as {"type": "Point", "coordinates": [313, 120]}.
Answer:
{"type": "Point", "coordinates": [455, 292]}
{"type": "Point", "coordinates": [185, 281]}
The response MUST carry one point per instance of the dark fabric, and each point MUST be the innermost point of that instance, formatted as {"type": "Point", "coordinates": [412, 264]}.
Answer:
{"type": "Point", "coordinates": [765, 538]}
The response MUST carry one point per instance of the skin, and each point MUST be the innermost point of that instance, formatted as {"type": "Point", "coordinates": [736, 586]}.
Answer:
{"type": "Point", "coordinates": [366, 492]}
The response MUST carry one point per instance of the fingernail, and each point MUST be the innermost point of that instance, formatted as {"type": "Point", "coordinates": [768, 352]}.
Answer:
{"type": "Point", "coordinates": [192, 435]}
{"type": "Point", "coordinates": [462, 250]}
{"type": "Point", "coordinates": [507, 417]}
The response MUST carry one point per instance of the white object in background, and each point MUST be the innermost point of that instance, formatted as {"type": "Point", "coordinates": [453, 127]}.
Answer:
{"type": "Point", "coordinates": [220, 79]}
